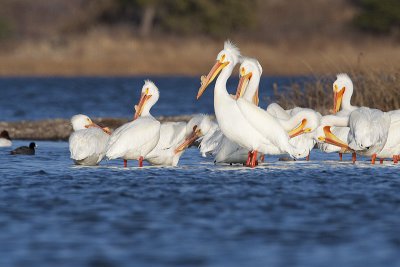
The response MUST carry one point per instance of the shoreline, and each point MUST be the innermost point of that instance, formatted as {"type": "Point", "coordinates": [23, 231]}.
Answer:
{"type": "Point", "coordinates": [60, 129]}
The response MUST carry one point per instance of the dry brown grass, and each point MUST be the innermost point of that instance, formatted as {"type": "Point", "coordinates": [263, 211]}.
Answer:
{"type": "Point", "coordinates": [372, 88]}
{"type": "Point", "coordinates": [104, 53]}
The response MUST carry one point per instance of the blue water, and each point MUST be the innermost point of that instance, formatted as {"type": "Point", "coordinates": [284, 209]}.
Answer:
{"type": "Point", "coordinates": [52, 213]}
{"type": "Point", "coordinates": [41, 98]}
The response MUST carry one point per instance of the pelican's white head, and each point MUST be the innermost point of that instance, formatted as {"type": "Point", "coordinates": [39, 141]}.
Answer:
{"type": "Point", "coordinates": [229, 56]}
{"type": "Point", "coordinates": [342, 91]}
{"type": "Point", "coordinates": [250, 72]}
{"type": "Point", "coordinates": [81, 122]}
{"type": "Point", "coordinates": [149, 97]}
{"type": "Point", "coordinates": [196, 128]}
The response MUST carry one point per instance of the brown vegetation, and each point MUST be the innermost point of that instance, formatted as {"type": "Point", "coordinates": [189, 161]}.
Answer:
{"type": "Point", "coordinates": [372, 88]}
{"type": "Point", "coordinates": [85, 37]}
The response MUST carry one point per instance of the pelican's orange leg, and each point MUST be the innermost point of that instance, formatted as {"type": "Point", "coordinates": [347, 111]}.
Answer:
{"type": "Point", "coordinates": [249, 156]}
{"type": "Point", "coordinates": [395, 159]}
{"type": "Point", "coordinates": [354, 157]}
{"type": "Point", "coordinates": [262, 158]}
{"type": "Point", "coordinates": [373, 158]}
{"type": "Point", "coordinates": [381, 161]}
{"type": "Point", "coordinates": [308, 157]}
{"type": "Point", "coordinates": [140, 161]}
{"type": "Point", "coordinates": [340, 156]}
{"type": "Point", "coordinates": [125, 163]}
{"type": "Point", "coordinates": [254, 158]}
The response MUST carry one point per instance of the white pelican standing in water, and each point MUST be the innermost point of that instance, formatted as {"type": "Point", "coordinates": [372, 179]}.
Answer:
{"type": "Point", "coordinates": [88, 142]}
{"type": "Point", "coordinates": [175, 137]}
{"type": "Point", "coordinates": [368, 128]}
{"type": "Point", "coordinates": [302, 121]}
{"type": "Point", "coordinates": [225, 150]}
{"type": "Point", "coordinates": [135, 139]}
{"type": "Point", "coordinates": [231, 120]}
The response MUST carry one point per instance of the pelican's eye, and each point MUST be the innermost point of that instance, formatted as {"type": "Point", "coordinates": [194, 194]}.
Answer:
{"type": "Point", "coordinates": [147, 91]}
{"type": "Point", "coordinates": [222, 58]}
{"type": "Point", "coordinates": [335, 87]}
{"type": "Point", "coordinates": [242, 71]}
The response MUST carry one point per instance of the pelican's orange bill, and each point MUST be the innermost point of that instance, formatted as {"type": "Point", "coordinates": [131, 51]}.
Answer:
{"type": "Point", "coordinates": [299, 129]}
{"type": "Point", "coordinates": [242, 85]}
{"type": "Point", "coordinates": [139, 107]}
{"type": "Point", "coordinates": [337, 99]}
{"type": "Point", "coordinates": [332, 139]}
{"type": "Point", "coordinates": [205, 81]}
{"type": "Point", "coordinates": [196, 133]}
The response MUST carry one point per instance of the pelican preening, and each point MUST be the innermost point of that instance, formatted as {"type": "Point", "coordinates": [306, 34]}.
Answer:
{"type": "Point", "coordinates": [88, 142]}
{"type": "Point", "coordinates": [243, 132]}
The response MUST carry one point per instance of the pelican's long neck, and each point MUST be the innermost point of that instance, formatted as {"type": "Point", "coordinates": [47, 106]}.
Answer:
{"type": "Point", "coordinates": [147, 107]}
{"type": "Point", "coordinates": [220, 84]}
{"type": "Point", "coordinates": [252, 87]}
{"type": "Point", "coordinates": [332, 120]}
{"type": "Point", "coordinates": [346, 105]}
{"type": "Point", "coordinates": [293, 121]}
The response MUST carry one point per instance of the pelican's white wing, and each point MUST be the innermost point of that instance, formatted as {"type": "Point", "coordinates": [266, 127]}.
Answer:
{"type": "Point", "coordinates": [134, 139]}
{"type": "Point", "coordinates": [369, 130]}
{"type": "Point", "coordinates": [171, 133]}
{"type": "Point", "coordinates": [211, 140]}
{"type": "Point", "coordinates": [88, 143]}
{"type": "Point", "coordinates": [278, 112]}
{"type": "Point", "coordinates": [267, 126]}
{"type": "Point", "coordinates": [392, 146]}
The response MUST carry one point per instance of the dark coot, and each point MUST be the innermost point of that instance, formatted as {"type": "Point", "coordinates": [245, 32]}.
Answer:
{"type": "Point", "coordinates": [24, 150]}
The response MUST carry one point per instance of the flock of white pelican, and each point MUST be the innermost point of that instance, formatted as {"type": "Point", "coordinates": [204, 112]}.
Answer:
{"type": "Point", "coordinates": [243, 132]}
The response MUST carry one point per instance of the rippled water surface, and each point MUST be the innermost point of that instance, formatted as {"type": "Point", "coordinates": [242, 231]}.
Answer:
{"type": "Point", "coordinates": [40, 98]}
{"type": "Point", "coordinates": [52, 213]}
{"type": "Point", "coordinates": [317, 213]}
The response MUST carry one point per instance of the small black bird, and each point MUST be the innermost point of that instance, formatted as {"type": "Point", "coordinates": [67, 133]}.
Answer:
{"type": "Point", "coordinates": [24, 150]}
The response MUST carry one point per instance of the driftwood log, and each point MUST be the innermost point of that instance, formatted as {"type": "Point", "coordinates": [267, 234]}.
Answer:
{"type": "Point", "coordinates": [60, 129]}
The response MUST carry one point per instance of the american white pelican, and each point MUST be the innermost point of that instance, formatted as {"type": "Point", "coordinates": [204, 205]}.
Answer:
{"type": "Point", "coordinates": [175, 137]}
{"type": "Point", "coordinates": [88, 142]}
{"type": "Point", "coordinates": [5, 140]}
{"type": "Point", "coordinates": [369, 128]}
{"type": "Point", "coordinates": [276, 131]}
{"type": "Point", "coordinates": [135, 139]}
{"type": "Point", "coordinates": [227, 151]}
{"type": "Point", "coordinates": [342, 107]}
{"type": "Point", "coordinates": [230, 119]}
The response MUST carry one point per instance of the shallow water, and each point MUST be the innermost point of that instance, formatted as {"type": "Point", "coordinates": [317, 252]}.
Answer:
{"type": "Point", "coordinates": [317, 213]}
{"type": "Point", "coordinates": [52, 213]}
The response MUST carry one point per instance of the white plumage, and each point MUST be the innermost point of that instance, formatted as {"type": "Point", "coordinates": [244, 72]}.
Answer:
{"type": "Point", "coordinates": [175, 137]}
{"type": "Point", "coordinates": [369, 130]}
{"type": "Point", "coordinates": [88, 142]}
{"type": "Point", "coordinates": [134, 140]}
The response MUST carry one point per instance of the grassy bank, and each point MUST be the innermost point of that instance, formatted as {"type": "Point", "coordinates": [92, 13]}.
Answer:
{"type": "Point", "coordinates": [103, 54]}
